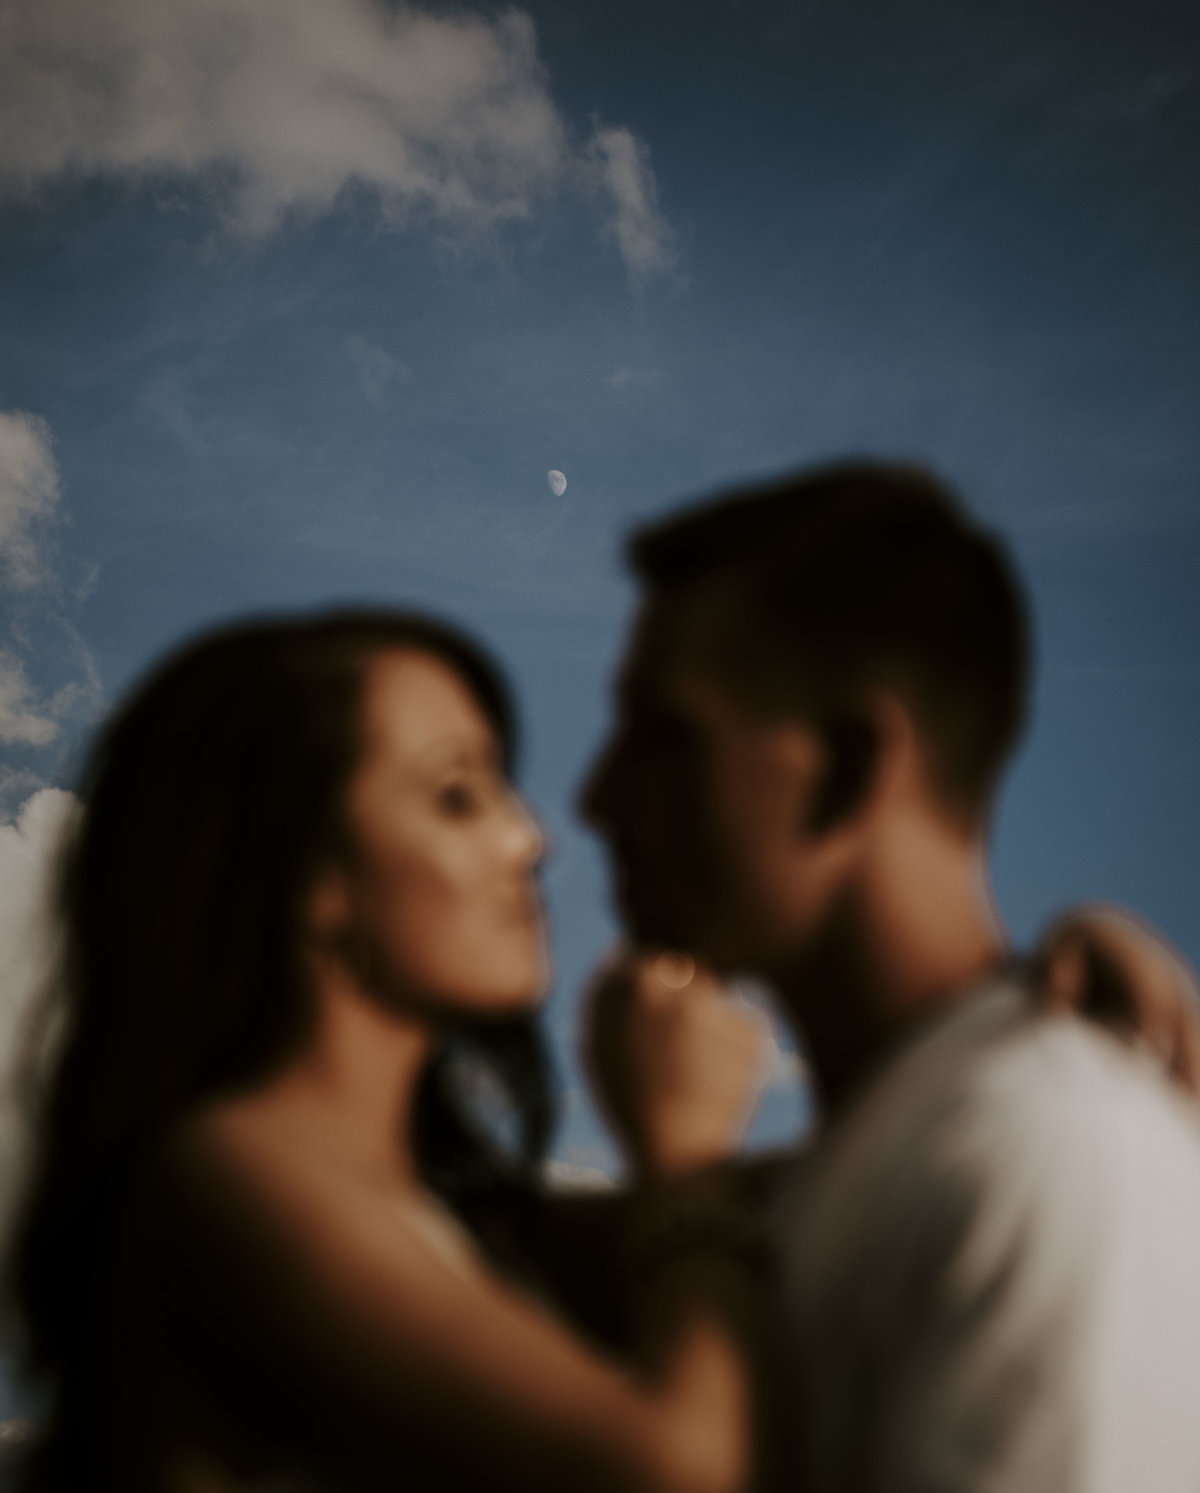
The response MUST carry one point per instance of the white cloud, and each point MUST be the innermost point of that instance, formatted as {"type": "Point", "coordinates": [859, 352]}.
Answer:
{"type": "Point", "coordinates": [283, 105]}
{"type": "Point", "coordinates": [28, 495]}
{"type": "Point", "coordinates": [29, 849]}
{"type": "Point", "coordinates": [16, 785]}
{"type": "Point", "coordinates": [299, 98]}
{"type": "Point", "coordinates": [641, 231]}
{"type": "Point", "coordinates": [29, 846]}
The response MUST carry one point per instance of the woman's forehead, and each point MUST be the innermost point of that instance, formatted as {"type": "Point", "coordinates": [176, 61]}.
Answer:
{"type": "Point", "coordinates": [415, 704]}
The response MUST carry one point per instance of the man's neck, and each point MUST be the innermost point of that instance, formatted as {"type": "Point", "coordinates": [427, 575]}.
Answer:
{"type": "Point", "coordinates": [911, 934]}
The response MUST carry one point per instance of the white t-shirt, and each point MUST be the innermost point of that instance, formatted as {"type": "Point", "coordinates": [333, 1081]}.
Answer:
{"type": "Point", "coordinates": [992, 1269]}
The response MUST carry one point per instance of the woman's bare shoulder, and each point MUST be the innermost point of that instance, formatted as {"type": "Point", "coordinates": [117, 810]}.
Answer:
{"type": "Point", "coordinates": [236, 1150]}
{"type": "Point", "coordinates": [311, 1214]}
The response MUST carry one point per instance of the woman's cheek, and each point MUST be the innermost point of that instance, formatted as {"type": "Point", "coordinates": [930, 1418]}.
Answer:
{"type": "Point", "coordinates": [438, 899]}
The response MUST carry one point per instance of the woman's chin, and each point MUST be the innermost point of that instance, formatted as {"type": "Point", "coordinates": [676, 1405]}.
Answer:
{"type": "Point", "coordinates": [524, 990]}
{"type": "Point", "coordinates": [532, 976]}
{"type": "Point", "coordinates": [527, 994]}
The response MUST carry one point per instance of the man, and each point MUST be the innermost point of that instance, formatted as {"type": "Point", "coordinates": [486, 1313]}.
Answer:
{"type": "Point", "coordinates": [989, 1262]}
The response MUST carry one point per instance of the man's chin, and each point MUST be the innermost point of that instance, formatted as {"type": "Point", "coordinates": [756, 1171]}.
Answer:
{"type": "Point", "coordinates": [651, 927]}
{"type": "Point", "coordinates": [657, 927]}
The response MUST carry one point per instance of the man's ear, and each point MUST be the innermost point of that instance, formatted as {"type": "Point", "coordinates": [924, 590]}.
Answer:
{"type": "Point", "coordinates": [852, 746]}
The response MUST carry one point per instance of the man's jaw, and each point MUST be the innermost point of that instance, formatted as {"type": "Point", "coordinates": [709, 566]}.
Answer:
{"type": "Point", "coordinates": [649, 921]}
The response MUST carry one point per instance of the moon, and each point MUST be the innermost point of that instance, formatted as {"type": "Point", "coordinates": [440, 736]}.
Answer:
{"type": "Point", "coordinates": [558, 483]}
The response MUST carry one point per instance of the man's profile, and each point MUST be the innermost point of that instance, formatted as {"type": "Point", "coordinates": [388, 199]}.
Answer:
{"type": "Point", "coordinates": [989, 1261]}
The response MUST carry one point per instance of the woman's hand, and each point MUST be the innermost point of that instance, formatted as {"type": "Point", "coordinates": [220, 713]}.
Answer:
{"type": "Point", "coordinates": [1104, 964]}
{"type": "Point", "coordinates": [676, 1061]}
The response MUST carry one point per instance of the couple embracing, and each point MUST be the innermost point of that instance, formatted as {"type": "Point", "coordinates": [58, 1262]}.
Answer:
{"type": "Point", "coordinates": [269, 1244]}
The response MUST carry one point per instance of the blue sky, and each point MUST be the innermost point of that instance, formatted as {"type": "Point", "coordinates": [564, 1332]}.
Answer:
{"type": "Point", "coordinates": [300, 301]}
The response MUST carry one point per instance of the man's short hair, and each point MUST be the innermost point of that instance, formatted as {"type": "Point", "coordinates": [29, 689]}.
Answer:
{"type": "Point", "coordinates": [856, 576]}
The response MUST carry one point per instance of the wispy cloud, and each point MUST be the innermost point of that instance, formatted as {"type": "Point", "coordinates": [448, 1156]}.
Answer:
{"type": "Point", "coordinates": [29, 499]}
{"type": "Point", "coordinates": [636, 376]}
{"type": "Point", "coordinates": [29, 492]}
{"type": "Point", "coordinates": [282, 106]}
{"type": "Point", "coordinates": [377, 370]}
{"type": "Point", "coordinates": [23, 721]}
{"type": "Point", "coordinates": [643, 234]}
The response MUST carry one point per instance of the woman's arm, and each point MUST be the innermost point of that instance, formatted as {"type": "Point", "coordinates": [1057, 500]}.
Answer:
{"type": "Point", "coordinates": [428, 1338]}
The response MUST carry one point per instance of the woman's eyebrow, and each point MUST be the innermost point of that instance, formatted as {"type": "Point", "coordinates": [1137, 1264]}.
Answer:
{"type": "Point", "coordinates": [458, 751]}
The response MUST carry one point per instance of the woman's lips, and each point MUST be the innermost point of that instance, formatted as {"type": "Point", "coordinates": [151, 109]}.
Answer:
{"type": "Point", "coordinates": [524, 911]}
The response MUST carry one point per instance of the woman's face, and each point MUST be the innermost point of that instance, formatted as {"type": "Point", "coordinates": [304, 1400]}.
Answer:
{"type": "Point", "coordinates": [439, 896]}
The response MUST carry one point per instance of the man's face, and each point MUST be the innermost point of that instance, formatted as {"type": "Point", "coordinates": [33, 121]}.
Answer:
{"type": "Point", "coordinates": [703, 805]}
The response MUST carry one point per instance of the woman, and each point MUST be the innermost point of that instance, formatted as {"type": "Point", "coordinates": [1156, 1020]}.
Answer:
{"type": "Point", "coordinates": [302, 931]}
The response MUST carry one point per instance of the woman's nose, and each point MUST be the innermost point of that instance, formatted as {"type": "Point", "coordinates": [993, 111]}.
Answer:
{"type": "Point", "coordinates": [528, 839]}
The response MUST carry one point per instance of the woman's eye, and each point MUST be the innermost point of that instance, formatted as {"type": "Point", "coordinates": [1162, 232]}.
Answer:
{"type": "Point", "coordinates": [457, 800]}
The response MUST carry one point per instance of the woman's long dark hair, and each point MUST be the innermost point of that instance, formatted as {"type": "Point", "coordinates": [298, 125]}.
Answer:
{"type": "Point", "coordinates": [211, 799]}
